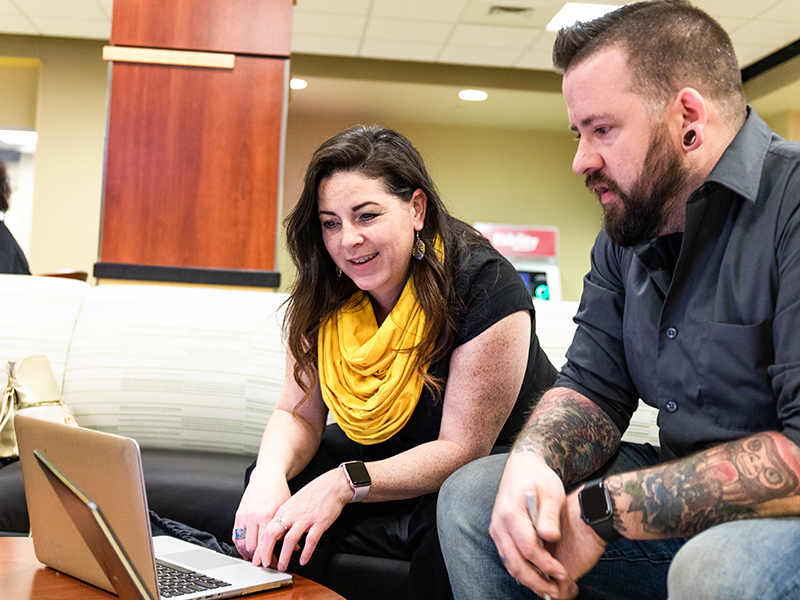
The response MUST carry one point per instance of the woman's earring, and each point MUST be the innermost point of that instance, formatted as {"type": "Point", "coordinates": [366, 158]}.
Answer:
{"type": "Point", "coordinates": [689, 138]}
{"type": "Point", "coordinates": [338, 272]}
{"type": "Point", "coordinates": [418, 251]}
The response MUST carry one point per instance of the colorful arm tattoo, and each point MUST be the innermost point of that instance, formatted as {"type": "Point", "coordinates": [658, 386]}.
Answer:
{"type": "Point", "coordinates": [571, 433]}
{"type": "Point", "coordinates": [746, 478]}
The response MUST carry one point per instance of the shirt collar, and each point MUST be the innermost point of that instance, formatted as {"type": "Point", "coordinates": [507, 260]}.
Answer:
{"type": "Point", "coordinates": [740, 166]}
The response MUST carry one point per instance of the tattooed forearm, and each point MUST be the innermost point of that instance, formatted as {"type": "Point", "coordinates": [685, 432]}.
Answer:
{"type": "Point", "coordinates": [571, 433]}
{"type": "Point", "coordinates": [733, 481]}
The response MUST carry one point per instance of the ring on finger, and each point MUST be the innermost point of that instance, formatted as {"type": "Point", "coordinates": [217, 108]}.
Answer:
{"type": "Point", "coordinates": [239, 533]}
{"type": "Point", "coordinates": [282, 524]}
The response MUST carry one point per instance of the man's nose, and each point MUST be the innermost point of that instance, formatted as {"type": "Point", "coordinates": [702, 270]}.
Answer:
{"type": "Point", "coordinates": [586, 160]}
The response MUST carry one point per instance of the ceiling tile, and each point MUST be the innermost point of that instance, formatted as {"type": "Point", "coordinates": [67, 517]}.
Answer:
{"type": "Point", "coordinates": [69, 9]}
{"type": "Point", "coordinates": [106, 5]}
{"type": "Point", "coordinates": [788, 10]}
{"type": "Point", "coordinates": [325, 44]}
{"type": "Point", "coordinates": [341, 7]}
{"type": "Point", "coordinates": [380, 28]}
{"type": "Point", "coordinates": [408, 50]}
{"type": "Point", "coordinates": [473, 55]}
{"type": "Point", "coordinates": [749, 54]}
{"type": "Point", "coordinates": [779, 33]}
{"type": "Point", "coordinates": [487, 12]}
{"type": "Point", "coordinates": [322, 24]}
{"type": "Point", "coordinates": [15, 24]}
{"type": "Point", "coordinates": [746, 9]}
{"type": "Point", "coordinates": [426, 10]}
{"type": "Point", "coordinates": [95, 29]}
{"type": "Point", "coordinates": [536, 59]}
{"type": "Point", "coordinates": [494, 36]}
{"type": "Point", "coordinates": [6, 8]}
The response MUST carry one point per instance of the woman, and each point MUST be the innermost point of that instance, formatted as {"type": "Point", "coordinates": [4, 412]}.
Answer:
{"type": "Point", "coordinates": [415, 334]}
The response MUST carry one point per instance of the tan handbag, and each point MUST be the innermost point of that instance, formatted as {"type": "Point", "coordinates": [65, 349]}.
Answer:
{"type": "Point", "coordinates": [32, 389]}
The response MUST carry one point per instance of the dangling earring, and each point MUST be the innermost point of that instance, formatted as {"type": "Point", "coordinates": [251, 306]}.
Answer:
{"type": "Point", "coordinates": [418, 251]}
{"type": "Point", "coordinates": [689, 138]}
{"type": "Point", "coordinates": [338, 272]}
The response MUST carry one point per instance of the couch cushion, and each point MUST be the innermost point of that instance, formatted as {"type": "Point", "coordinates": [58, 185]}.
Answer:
{"type": "Point", "coordinates": [177, 368]}
{"type": "Point", "coordinates": [38, 317]}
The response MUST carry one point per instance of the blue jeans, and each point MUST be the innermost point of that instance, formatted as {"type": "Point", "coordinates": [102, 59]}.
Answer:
{"type": "Point", "coordinates": [717, 564]}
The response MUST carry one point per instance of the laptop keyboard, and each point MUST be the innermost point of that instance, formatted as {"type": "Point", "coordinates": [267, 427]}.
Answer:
{"type": "Point", "coordinates": [175, 581]}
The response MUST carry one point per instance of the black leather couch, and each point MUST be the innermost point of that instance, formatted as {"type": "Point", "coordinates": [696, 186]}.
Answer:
{"type": "Point", "coordinates": [203, 489]}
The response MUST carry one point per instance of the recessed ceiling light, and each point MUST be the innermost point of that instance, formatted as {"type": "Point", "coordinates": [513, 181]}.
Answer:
{"type": "Point", "coordinates": [18, 137]}
{"type": "Point", "coordinates": [573, 12]}
{"type": "Point", "coordinates": [473, 95]}
{"type": "Point", "coordinates": [298, 84]}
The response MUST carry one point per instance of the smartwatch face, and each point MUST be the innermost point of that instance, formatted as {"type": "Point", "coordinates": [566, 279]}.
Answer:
{"type": "Point", "coordinates": [595, 503]}
{"type": "Point", "coordinates": [357, 473]}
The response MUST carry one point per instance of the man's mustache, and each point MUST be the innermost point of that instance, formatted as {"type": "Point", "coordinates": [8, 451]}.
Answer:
{"type": "Point", "coordinates": [599, 179]}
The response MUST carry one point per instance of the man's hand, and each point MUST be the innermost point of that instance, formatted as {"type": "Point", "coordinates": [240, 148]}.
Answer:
{"type": "Point", "coordinates": [513, 533]}
{"type": "Point", "coordinates": [580, 547]}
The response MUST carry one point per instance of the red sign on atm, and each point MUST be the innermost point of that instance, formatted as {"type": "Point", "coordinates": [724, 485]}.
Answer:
{"type": "Point", "coordinates": [521, 241]}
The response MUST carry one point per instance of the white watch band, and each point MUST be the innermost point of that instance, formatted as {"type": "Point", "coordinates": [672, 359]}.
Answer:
{"type": "Point", "coordinates": [359, 492]}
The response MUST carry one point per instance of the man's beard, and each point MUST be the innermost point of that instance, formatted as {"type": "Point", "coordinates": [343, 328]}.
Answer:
{"type": "Point", "coordinates": [654, 199]}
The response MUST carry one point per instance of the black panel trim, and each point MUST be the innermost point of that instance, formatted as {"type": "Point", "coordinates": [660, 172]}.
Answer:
{"type": "Point", "coordinates": [245, 277]}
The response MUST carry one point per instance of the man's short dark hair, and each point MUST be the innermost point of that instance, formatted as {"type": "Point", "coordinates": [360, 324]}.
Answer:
{"type": "Point", "coordinates": [670, 45]}
{"type": "Point", "coordinates": [5, 188]}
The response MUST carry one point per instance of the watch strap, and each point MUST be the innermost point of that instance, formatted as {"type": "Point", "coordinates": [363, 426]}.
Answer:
{"type": "Point", "coordinates": [602, 527]}
{"type": "Point", "coordinates": [359, 491]}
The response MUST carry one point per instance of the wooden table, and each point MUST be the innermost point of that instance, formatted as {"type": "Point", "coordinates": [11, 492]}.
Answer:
{"type": "Point", "coordinates": [22, 577]}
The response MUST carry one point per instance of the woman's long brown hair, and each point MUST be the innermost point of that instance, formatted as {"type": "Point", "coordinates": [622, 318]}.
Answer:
{"type": "Point", "coordinates": [317, 293]}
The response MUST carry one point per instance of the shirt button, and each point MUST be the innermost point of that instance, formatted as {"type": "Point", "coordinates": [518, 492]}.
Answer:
{"type": "Point", "coordinates": [672, 406]}
{"type": "Point", "coordinates": [672, 333]}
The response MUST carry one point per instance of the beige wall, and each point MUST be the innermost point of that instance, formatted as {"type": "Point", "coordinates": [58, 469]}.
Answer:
{"type": "Point", "coordinates": [70, 120]}
{"type": "Point", "coordinates": [500, 176]}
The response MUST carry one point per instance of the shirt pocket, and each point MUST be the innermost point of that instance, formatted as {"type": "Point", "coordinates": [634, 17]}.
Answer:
{"type": "Point", "coordinates": [735, 387]}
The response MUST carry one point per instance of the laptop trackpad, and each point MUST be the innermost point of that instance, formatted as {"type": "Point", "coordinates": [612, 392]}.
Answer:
{"type": "Point", "coordinates": [200, 559]}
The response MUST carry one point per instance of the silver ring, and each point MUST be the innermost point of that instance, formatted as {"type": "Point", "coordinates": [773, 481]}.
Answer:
{"type": "Point", "coordinates": [239, 533]}
{"type": "Point", "coordinates": [282, 524]}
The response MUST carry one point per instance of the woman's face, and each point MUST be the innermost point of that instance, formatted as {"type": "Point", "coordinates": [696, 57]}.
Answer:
{"type": "Point", "coordinates": [369, 233]}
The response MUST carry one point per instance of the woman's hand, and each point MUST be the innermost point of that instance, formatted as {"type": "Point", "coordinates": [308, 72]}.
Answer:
{"type": "Point", "coordinates": [265, 494]}
{"type": "Point", "coordinates": [310, 511]}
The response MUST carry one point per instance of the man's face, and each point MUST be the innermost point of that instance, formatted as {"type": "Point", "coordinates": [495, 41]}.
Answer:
{"type": "Point", "coordinates": [629, 161]}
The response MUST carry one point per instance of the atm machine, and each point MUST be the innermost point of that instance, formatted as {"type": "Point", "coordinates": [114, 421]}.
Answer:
{"type": "Point", "coordinates": [533, 250]}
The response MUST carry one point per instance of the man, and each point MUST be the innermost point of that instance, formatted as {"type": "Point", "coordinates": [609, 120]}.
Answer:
{"type": "Point", "coordinates": [692, 304]}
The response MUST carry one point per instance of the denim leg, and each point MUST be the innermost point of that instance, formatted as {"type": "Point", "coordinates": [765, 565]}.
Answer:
{"type": "Point", "coordinates": [465, 509]}
{"type": "Point", "coordinates": [627, 570]}
{"type": "Point", "coordinates": [741, 560]}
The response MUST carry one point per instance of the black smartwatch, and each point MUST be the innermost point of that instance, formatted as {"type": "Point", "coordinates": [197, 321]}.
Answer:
{"type": "Point", "coordinates": [358, 478]}
{"type": "Point", "coordinates": [597, 510]}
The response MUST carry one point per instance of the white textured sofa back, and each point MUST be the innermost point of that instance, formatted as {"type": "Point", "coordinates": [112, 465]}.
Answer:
{"type": "Point", "coordinates": [177, 367]}
{"type": "Point", "coordinates": [37, 316]}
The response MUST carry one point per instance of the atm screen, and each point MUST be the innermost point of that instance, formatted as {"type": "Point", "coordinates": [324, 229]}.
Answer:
{"type": "Point", "coordinates": [536, 281]}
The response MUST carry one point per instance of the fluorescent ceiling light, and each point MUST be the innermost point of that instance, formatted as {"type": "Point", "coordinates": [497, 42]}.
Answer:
{"type": "Point", "coordinates": [473, 95]}
{"type": "Point", "coordinates": [576, 11]}
{"type": "Point", "coordinates": [18, 137]}
{"type": "Point", "coordinates": [298, 84]}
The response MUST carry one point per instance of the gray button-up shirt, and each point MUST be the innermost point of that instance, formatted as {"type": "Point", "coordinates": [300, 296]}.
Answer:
{"type": "Point", "coordinates": [704, 325]}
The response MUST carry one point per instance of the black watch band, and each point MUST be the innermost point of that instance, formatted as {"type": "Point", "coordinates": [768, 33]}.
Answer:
{"type": "Point", "coordinates": [597, 510]}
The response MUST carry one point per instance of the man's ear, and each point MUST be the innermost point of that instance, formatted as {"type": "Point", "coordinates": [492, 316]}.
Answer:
{"type": "Point", "coordinates": [690, 109]}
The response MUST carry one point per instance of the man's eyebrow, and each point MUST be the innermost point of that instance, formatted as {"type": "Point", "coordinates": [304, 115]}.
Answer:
{"type": "Point", "coordinates": [588, 121]}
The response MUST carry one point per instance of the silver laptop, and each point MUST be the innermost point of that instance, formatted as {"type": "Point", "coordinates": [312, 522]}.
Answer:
{"type": "Point", "coordinates": [89, 519]}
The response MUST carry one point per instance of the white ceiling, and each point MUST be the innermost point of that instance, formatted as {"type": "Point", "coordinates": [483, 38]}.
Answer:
{"type": "Point", "coordinates": [446, 32]}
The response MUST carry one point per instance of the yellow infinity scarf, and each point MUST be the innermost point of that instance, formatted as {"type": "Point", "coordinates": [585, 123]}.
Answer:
{"type": "Point", "coordinates": [367, 372]}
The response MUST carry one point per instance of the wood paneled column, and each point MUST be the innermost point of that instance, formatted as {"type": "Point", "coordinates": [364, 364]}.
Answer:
{"type": "Point", "coordinates": [194, 153]}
